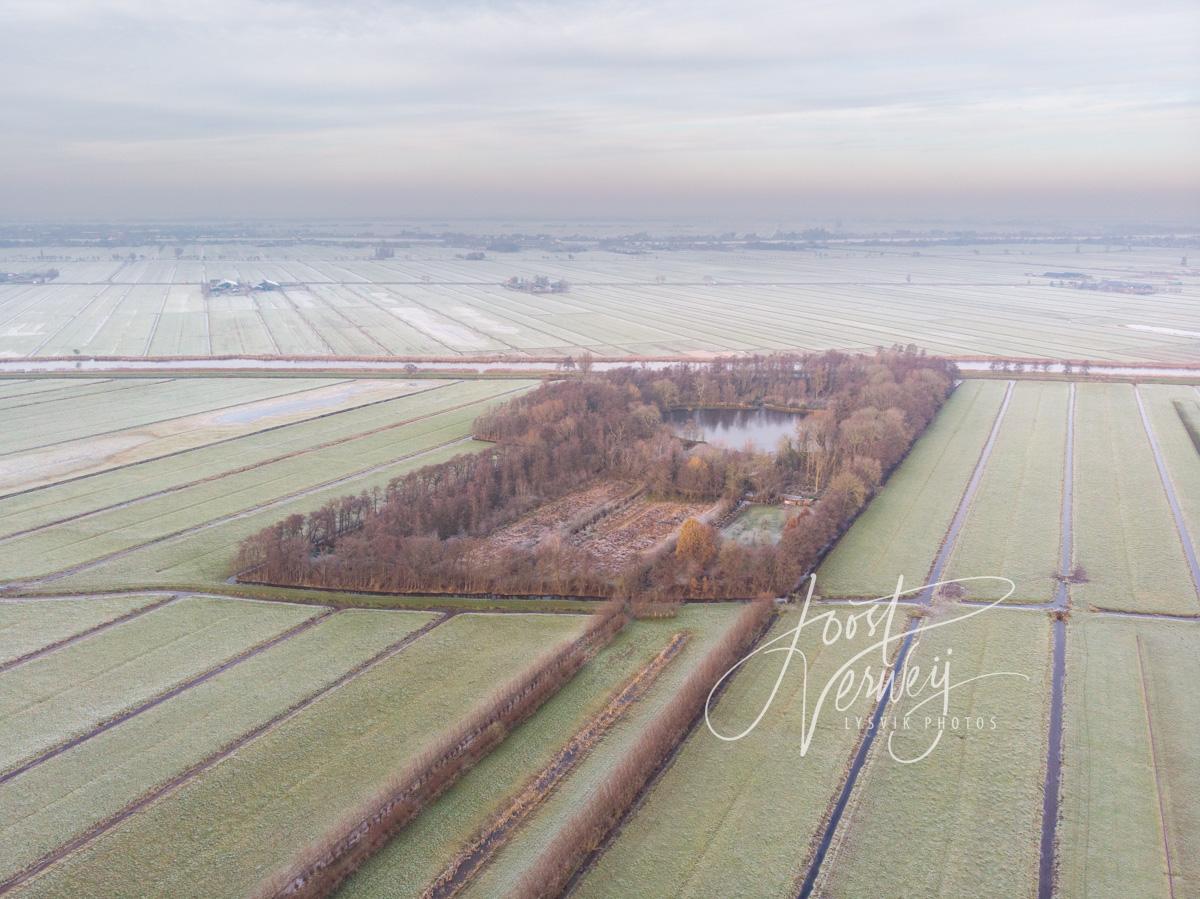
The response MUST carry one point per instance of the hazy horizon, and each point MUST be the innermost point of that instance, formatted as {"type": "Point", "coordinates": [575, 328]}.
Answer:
{"type": "Point", "coordinates": [589, 110]}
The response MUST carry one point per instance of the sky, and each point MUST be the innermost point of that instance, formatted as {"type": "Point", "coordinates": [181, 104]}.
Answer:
{"type": "Point", "coordinates": [578, 109]}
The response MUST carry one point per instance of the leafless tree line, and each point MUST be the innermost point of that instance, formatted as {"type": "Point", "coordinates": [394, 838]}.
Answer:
{"type": "Point", "coordinates": [422, 533]}
{"type": "Point", "coordinates": [320, 868]}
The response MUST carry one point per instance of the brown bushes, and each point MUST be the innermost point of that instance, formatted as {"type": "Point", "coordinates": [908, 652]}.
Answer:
{"type": "Point", "coordinates": [321, 867]}
{"type": "Point", "coordinates": [550, 873]}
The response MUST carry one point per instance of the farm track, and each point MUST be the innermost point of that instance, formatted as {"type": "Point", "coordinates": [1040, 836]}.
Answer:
{"type": "Point", "coordinates": [1162, 814]}
{"type": "Point", "coordinates": [171, 693]}
{"type": "Point", "coordinates": [225, 440]}
{"type": "Point", "coordinates": [1181, 528]}
{"type": "Point", "coordinates": [243, 468]}
{"type": "Point", "coordinates": [964, 505]}
{"type": "Point", "coordinates": [1147, 616]}
{"type": "Point", "coordinates": [1047, 857]}
{"type": "Point", "coordinates": [151, 796]}
{"type": "Point", "coordinates": [495, 834]}
{"type": "Point", "coordinates": [226, 519]}
{"type": "Point", "coordinates": [95, 629]}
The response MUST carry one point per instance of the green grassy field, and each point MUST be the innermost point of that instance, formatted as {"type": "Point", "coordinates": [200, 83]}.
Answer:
{"type": "Point", "coordinates": [206, 499]}
{"type": "Point", "coordinates": [735, 818]}
{"type": "Point", "coordinates": [1125, 537]}
{"type": "Point", "coordinates": [222, 832]}
{"type": "Point", "coordinates": [1182, 456]}
{"type": "Point", "coordinates": [26, 626]}
{"type": "Point", "coordinates": [1131, 777]}
{"type": "Point", "coordinates": [223, 451]}
{"type": "Point", "coordinates": [902, 528]}
{"type": "Point", "coordinates": [134, 405]}
{"type": "Point", "coordinates": [204, 558]}
{"type": "Point", "coordinates": [964, 821]}
{"type": "Point", "coordinates": [76, 541]}
{"type": "Point", "coordinates": [1013, 528]}
{"type": "Point", "coordinates": [52, 803]}
{"type": "Point", "coordinates": [760, 524]}
{"type": "Point", "coordinates": [63, 694]}
{"type": "Point", "coordinates": [55, 502]}
{"type": "Point", "coordinates": [419, 853]}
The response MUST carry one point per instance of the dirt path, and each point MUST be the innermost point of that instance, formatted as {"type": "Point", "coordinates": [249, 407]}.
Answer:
{"type": "Point", "coordinates": [1189, 548]}
{"type": "Point", "coordinates": [187, 684]}
{"type": "Point", "coordinates": [151, 796]}
{"type": "Point", "coordinates": [1162, 814]}
{"type": "Point", "coordinates": [226, 519]}
{"type": "Point", "coordinates": [964, 505]}
{"type": "Point", "coordinates": [95, 629]}
{"type": "Point", "coordinates": [455, 877]}
{"type": "Point", "coordinates": [328, 444]}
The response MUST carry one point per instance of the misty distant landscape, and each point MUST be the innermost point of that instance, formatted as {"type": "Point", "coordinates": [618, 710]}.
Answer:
{"type": "Point", "coordinates": [398, 290]}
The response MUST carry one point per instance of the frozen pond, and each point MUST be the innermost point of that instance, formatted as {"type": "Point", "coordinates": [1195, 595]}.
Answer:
{"type": "Point", "coordinates": [733, 429]}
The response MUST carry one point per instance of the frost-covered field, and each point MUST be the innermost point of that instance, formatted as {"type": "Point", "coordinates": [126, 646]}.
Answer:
{"type": "Point", "coordinates": [426, 301]}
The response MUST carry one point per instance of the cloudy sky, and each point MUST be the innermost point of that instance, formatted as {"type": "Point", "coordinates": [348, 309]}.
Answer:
{"type": "Point", "coordinates": [593, 108]}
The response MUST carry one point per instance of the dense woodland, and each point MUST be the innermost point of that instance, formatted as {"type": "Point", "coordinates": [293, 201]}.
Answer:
{"type": "Point", "coordinates": [422, 533]}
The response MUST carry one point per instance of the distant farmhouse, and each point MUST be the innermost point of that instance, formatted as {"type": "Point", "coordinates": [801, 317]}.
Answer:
{"type": "Point", "coordinates": [540, 284]}
{"type": "Point", "coordinates": [1081, 281]}
{"type": "Point", "coordinates": [40, 277]}
{"type": "Point", "coordinates": [218, 286]}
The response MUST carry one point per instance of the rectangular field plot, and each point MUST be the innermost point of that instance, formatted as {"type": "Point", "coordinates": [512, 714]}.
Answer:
{"type": "Point", "coordinates": [1131, 776]}
{"type": "Point", "coordinates": [421, 851]}
{"type": "Point", "coordinates": [66, 693]}
{"type": "Point", "coordinates": [222, 832]}
{"type": "Point", "coordinates": [307, 400]}
{"type": "Point", "coordinates": [223, 455]}
{"type": "Point", "coordinates": [204, 556]}
{"type": "Point", "coordinates": [137, 405]}
{"type": "Point", "coordinates": [30, 625]}
{"type": "Point", "coordinates": [1125, 537]}
{"type": "Point", "coordinates": [1013, 529]}
{"type": "Point", "coordinates": [964, 820]}
{"type": "Point", "coordinates": [65, 796]}
{"type": "Point", "coordinates": [736, 818]}
{"type": "Point", "coordinates": [903, 527]}
{"type": "Point", "coordinates": [242, 488]}
{"type": "Point", "coordinates": [760, 524]}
